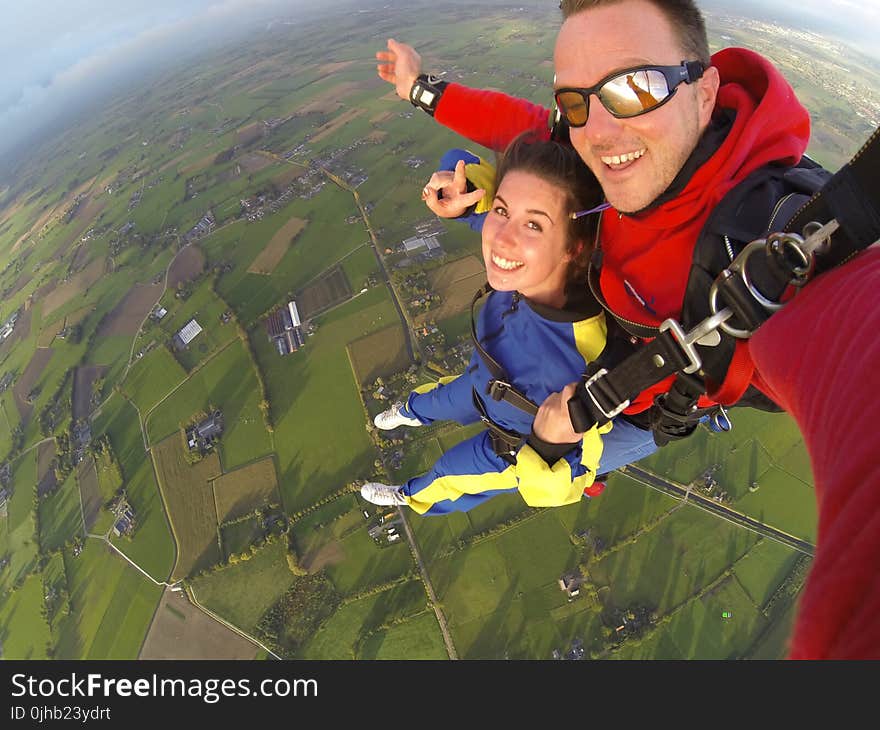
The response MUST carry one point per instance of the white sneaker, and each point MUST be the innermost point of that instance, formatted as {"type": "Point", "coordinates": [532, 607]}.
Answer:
{"type": "Point", "coordinates": [392, 418]}
{"type": "Point", "coordinates": [382, 494]}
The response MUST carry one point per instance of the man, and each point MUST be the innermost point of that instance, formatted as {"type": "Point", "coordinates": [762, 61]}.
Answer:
{"type": "Point", "coordinates": [663, 168]}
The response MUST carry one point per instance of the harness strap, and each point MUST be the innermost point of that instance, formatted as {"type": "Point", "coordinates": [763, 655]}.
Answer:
{"type": "Point", "coordinates": [602, 395]}
{"type": "Point", "coordinates": [738, 378]}
{"type": "Point", "coordinates": [852, 196]}
{"type": "Point", "coordinates": [499, 387]}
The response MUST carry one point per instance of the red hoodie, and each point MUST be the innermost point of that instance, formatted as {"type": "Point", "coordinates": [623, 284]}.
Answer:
{"type": "Point", "coordinates": [652, 251]}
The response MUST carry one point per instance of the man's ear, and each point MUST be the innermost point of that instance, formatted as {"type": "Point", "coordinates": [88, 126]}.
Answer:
{"type": "Point", "coordinates": [707, 91]}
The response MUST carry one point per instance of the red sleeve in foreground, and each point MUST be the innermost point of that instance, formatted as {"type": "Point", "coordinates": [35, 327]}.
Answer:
{"type": "Point", "coordinates": [489, 118]}
{"type": "Point", "coordinates": [821, 357]}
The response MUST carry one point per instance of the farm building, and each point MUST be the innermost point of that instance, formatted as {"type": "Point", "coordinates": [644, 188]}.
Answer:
{"type": "Point", "coordinates": [418, 242]}
{"type": "Point", "coordinates": [200, 229]}
{"type": "Point", "coordinates": [187, 334]}
{"type": "Point", "coordinates": [294, 313]}
{"type": "Point", "coordinates": [284, 328]}
{"type": "Point", "coordinates": [570, 583]}
{"type": "Point", "coordinates": [125, 520]}
{"type": "Point", "coordinates": [203, 435]}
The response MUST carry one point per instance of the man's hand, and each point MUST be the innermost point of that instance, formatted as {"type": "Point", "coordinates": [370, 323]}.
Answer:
{"type": "Point", "coordinates": [399, 65]}
{"type": "Point", "coordinates": [455, 198]}
{"type": "Point", "coordinates": [552, 423]}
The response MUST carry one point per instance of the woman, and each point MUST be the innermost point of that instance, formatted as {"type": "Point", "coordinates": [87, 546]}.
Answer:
{"type": "Point", "coordinates": [537, 331]}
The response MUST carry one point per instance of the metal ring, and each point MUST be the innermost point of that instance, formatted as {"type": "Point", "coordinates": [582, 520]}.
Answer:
{"type": "Point", "coordinates": [713, 307]}
{"type": "Point", "coordinates": [739, 265]}
{"type": "Point", "coordinates": [794, 241]}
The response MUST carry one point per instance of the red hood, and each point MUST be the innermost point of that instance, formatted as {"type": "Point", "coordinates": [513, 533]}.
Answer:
{"type": "Point", "coordinates": [653, 250]}
{"type": "Point", "coordinates": [771, 126]}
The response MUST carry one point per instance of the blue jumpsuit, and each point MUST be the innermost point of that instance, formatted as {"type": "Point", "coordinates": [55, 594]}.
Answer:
{"type": "Point", "coordinates": [542, 349]}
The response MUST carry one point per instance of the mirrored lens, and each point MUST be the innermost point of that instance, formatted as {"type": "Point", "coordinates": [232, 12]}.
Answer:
{"type": "Point", "coordinates": [573, 107]}
{"type": "Point", "coordinates": [634, 92]}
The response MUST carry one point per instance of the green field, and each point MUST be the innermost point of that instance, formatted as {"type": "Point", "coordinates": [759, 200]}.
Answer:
{"type": "Point", "coordinates": [60, 516]}
{"type": "Point", "coordinates": [366, 627]}
{"type": "Point", "coordinates": [267, 577]}
{"type": "Point", "coordinates": [204, 306]}
{"type": "Point", "coordinates": [318, 379]}
{"type": "Point", "coordinates": [152, 545]}
{"type": "Point", "coordinates": [152, 378]}
{"type": "Point", "coordinates": [359, 266]}
{"type": "Point", "coordinates": [418, 638]}
{"type": "Point", "coordinates": [763, 569]}
{"type": "Point", "coordinates": [226, 382]}
{"type": "Point", "coordinates": [187, 493]}
{"type": "Point", "coordinates": [239, 536]}
{"type": "Point", "coordinates": [367, 564]}
{"type": "Point", "coordinates": [242, 491]}
{"type": "Point", "coordinates": [22, 540]}
{"type": "Point", "coordinates": [24, 632]}
{"type": "Point", "coordinates": [112, 606]}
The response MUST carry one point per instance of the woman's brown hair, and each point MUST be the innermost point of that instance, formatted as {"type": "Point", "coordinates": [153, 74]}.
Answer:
{"type": "Point", "coordinates": [560, 166]}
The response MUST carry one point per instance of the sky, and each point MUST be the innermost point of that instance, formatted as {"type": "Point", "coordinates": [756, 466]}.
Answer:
{"type": "Point", "coordinates": [853, 21]}
{"type": "Point", "coordinates": [56, 54]}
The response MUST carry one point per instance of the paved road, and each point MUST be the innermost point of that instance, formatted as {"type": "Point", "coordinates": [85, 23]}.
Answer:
{"type": "Point", "coordinates": [429, 588]}
{"type": "Point", "coordinates": [710, 505]}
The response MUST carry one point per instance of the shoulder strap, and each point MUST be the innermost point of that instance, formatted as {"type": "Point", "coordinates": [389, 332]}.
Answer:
{"type": "Point", "coordinates": [499, 387]}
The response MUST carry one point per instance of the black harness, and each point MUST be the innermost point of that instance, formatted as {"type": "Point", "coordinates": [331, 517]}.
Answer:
{"type": "Point", "coordinates": [741, 298]}
{"type": "Point", "coordinates": [505, 442]}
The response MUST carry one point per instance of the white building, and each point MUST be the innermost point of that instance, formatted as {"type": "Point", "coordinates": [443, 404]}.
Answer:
{"type": "Point", "coordinates": [417, 242]}
{"type": "Point", "coordinates": [189, 331]}
{"type": "Point", "coordinates": [294, 314]}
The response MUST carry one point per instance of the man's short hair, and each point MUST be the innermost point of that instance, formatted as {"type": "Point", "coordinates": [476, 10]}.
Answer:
{"type": "Point", "coordinates": [685, 17]}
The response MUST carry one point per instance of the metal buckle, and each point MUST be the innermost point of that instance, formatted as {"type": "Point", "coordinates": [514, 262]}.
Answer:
{"type": "Point", "coordinates": [616, 411]}
{"type": "Point", "coordinates": [497, 389]}
{"type": "Point", "coordinates": [687, 340]}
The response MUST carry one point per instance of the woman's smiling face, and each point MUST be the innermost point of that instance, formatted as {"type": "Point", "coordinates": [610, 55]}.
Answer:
{"type": "Point", "coordinates": [525, 238]}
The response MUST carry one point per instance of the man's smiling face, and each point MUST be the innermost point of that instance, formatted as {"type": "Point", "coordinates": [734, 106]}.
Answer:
{"type": "Point", "coordinates": [634, 159]}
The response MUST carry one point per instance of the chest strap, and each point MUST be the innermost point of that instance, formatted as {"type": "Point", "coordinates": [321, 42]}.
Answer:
{"type": "Point", "coordinates": [499, 388]}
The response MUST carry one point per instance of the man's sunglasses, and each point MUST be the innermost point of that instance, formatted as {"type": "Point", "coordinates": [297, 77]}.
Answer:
{"type": "Point", "coordinates": [627, 93]}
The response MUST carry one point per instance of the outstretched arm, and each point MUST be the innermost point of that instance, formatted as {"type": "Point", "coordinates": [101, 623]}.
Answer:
{"type": "Point", "coordinates": [829, 384]}
{"type": "Point", "coordinates": [489, 118]}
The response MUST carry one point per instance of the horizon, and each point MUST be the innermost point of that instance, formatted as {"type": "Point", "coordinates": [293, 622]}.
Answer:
{"type": "Point", "coordinates": [97, 48]}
